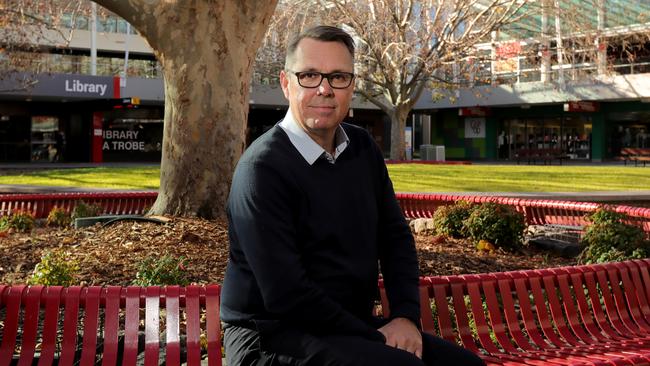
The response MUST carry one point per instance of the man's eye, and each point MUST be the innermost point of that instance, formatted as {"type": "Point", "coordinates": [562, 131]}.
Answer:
{"type": "Point", "coordinates": [339, 77]}
{"type": "Point", "coordinates": [309, 75]}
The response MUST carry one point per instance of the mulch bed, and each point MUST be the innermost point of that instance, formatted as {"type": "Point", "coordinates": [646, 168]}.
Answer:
{"type": "Point", "coordinates": [110, 255]}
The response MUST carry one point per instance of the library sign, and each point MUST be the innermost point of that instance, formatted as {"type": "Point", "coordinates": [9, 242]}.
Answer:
{"type": "Point", "coordinates": [122, 140]}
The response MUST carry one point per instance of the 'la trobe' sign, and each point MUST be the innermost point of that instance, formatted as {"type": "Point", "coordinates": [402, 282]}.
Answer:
{"type": "Point", "coordinates": [77, 86]}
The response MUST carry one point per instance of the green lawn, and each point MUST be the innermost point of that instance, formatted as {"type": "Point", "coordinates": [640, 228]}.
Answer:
{"type": "Point", "coordinates": [119, 178]}
{"type": "Point", "coordinates": [517, 178]}
{"type": "Point", "coordinates": [406, 178]}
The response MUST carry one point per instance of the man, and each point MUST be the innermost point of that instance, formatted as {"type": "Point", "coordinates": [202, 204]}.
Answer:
{"type": "Point", "coordinates": [312, 216]}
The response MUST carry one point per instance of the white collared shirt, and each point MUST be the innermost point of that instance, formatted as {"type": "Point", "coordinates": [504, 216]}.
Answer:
{"type": "Point", "coordinates": [306, 146]}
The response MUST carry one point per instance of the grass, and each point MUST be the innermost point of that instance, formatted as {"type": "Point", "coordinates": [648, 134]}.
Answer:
{"type": "Point", "coordinates": [406, 178]}
{"type": "Point", "coordinates": [517, 178]}
{"type": "Point", "coordinates": [144, 178]}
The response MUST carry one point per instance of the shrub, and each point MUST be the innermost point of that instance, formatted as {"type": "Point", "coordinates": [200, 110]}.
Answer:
{"type": "Point", "coordinates": [498, 224]}
{"type": "Point", "coordinates": [58, 217]}
{"type": "Point", "coordinates": [160, 271]}
{"type": "Point", "coordinates": [448, 220]}
{"type": "Point", "coordinates": [21, 221]}
{"type": "Point", "coordinates": [608, 238]}
{"type": "Point", "coordinates": [83, 209]}
{"type": "Point", "coordinates": [54, 269]}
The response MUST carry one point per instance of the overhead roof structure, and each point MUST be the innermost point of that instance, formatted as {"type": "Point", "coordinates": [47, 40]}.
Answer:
{"type": "Point", "coordinates": [580, 16]}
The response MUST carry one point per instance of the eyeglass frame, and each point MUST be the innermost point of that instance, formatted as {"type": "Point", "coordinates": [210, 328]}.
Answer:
{"type": "Point", "coordinates": [323, 75]}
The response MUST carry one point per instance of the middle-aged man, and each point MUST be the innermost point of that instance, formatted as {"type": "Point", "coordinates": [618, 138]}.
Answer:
{"type": "Point", "coordinates": [312, 218]}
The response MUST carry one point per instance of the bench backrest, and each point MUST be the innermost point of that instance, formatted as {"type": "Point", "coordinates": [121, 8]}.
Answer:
{"type": "Point", "coordinates": [544, 309]}
{"type": "Point", "coordinates": [77, 324]}
{"type": "Point", "coordinates": [486, 313]}
{"type": "Point", "coordinates": [635, 151]}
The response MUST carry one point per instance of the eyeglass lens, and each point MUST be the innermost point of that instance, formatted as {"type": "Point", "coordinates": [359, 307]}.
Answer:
{"type": "Point", "coordinates": [337, 80]}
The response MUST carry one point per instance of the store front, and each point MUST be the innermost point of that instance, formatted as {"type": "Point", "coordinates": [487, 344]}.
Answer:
{"type": "Point", "coordinates": [627, 129]}
{"type": "Point", "coordinates": [129, 135]}
{"type": "Point", "coordinates": [569, 135]}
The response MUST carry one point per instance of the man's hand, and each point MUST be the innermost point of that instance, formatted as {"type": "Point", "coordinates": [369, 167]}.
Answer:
{"type": "Point", "coordinates": [403, 334]}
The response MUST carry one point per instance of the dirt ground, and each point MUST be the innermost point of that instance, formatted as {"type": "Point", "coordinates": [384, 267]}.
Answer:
{"type": "Point", "coordinates": [109, 255]}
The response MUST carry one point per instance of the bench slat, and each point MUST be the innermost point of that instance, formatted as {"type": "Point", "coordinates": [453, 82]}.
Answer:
{"type": "Point", "coordinates": [152, 326]}
{"type": "Point", "coordinates": [193, 326]}
{"type": "Point", "coordinates": [31, 298]}
{"type": "Point", "coordinates": [131, 325]}
{"type": "Point", "coordinates": [512, 320]}
{"type": "Point", "coordinates": [70, 322]}
{"type": "Point", "coordinates": [11, 302]}
{"type": "Point", "coordinates": [445, 328]}
{"type": "Point", "coordinates": [111, 325]}
{"type": "Point", "coordinates": [213, 326]}
{"type": "Point", "coordinates": [172, 294]}
{"type": "Point", "coordinates": [630, 297]}
{"type": "Point", "coordinates": [52, 299]}
{"type": "Point", "coordinates": [91, 322]}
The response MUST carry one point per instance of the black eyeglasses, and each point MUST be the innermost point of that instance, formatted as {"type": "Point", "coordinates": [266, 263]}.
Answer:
{"type": "Point", "coordinates": [313, 79]}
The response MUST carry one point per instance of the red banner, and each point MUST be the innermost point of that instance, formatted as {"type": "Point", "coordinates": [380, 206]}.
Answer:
{"type": "Point", "coordinates": [474, 112]}
{"type": "Point", "coordinates": [97, 139]}
{"type": "Point", "coordinates": [581, 107]}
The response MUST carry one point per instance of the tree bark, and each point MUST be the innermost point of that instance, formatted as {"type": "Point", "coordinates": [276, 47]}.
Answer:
{"type": "Point", "coordinates": [206, 49]}
{"type": "Point", "coordinates": [398, 118]}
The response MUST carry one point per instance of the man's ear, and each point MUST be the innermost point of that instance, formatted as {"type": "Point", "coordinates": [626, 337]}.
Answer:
{"type": "Point", "coordinates": [284, 83]}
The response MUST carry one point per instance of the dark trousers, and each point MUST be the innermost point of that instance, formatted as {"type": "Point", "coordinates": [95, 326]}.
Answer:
{"type": "Point", "coordinates": [245, 347]}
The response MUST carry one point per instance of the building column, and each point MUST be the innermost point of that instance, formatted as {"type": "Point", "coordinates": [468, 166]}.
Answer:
{"type": "Point", "coordinates": [598, 137]}
{"type": "Point", "coordinates": [491, 148]}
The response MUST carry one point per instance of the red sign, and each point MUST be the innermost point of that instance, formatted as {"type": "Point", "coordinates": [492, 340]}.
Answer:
{"type": "Point", "coordinates": [581, 107]}
{"type": "Point", "coordinates": [508, 50]}
{"type": "Point", "coordinates": [97, 138]}
{"type": "Point", "coordinates": [474, 112]}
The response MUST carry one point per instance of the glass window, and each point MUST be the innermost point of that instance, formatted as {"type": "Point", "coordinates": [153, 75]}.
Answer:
{"type": "Point", "coordinates": [122, 26]}
{"type": "Point", "coordinates": [82, 22]}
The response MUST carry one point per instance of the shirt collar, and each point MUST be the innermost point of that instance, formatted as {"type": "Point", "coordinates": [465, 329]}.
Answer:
{"type": "Point", "coordinates": [306, 146]}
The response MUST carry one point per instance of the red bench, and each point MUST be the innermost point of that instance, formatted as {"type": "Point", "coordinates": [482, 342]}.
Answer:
{"type": "Point", "coordinates": [584, 315]}
{"type": "Point", "coordinates": [542, 155]}
{"type": "Point", "coordinates": [109, 325]}
{"type": "Point", "coordinates": [635, 154]}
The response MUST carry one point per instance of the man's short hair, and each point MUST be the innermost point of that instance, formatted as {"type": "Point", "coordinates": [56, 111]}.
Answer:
{"type": "Point", "coordinates": [323, 33]}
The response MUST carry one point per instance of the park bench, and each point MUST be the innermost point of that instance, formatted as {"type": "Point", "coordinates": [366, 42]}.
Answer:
{"type": "Point", "coordinates": [109, 325]}
{"type": "Point", "coordinates": [542, 155]}
{"type": "Point", "coordinates": [635, 154]}
{"type": "Point", "coordinates": [583, 315]}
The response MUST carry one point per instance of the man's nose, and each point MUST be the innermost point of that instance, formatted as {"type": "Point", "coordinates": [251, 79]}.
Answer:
{"type": "Point", "coordinates": [325, 88]}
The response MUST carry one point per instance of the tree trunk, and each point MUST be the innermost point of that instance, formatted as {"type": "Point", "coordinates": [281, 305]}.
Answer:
{"type": "Point", "coordinates": [206, 49]}
{"type": "Point", "coordinates": [397, 125]}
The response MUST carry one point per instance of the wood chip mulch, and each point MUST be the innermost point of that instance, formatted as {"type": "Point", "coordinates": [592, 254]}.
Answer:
{"type": "Point", "coordinates": [110, 255]}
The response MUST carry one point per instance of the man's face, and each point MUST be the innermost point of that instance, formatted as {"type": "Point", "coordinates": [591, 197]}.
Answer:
{"type": "Point", "coordinates": [320, 109]}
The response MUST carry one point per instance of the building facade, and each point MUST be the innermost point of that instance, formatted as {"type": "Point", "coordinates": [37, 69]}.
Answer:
{"type": "Point", "coordinates": [586, 111]}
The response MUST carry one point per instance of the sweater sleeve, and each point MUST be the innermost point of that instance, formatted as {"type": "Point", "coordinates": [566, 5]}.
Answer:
{"type": "Point", "coordinates": [397, 254]}
{"type": "Point", "coordinates": [263, 220]}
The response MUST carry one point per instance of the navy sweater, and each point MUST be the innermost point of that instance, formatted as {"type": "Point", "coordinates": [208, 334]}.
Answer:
{"type": "Point", "coordinates": [305, 240]}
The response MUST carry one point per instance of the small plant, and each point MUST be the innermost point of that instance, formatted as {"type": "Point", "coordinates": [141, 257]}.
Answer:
{"type": "Point", "coordinates": [160, 271]}
{"type": "Point", "coordinates": [58, 217]}
{"type": "Point", "coordinates": [498, 224]}
{"type": "Point", "coordinates": [448, 220]}
{"type": "Point", "coordinates": [609, 238]}
{"type": "Point", "coordinates": [55, 269]}
{"type": "Point", "coordinates": [21, 221]}
{"type": "Point", "coordinates": [83, 209]}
